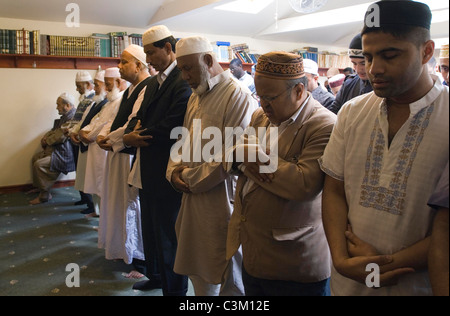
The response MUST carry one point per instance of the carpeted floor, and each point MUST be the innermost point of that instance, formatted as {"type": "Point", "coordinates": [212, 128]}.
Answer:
{"type": "Point", "coordinates": [37, 243]}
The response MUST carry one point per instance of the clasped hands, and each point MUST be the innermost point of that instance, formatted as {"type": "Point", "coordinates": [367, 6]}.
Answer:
{"type": "Point", "coordinates": [252, 155]}
{"type": "Point", "coordinates": [361, 254]}
{"type": "Point", "coordinates": [136, 139]}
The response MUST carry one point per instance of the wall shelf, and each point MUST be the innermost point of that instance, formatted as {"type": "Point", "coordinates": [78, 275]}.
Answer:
{"type": "Point", "coordinates": [56, 62]}
{"type": "Point", "coordinates": [85, 63]}
{"type": "Point", "coordinates": [68, 62]}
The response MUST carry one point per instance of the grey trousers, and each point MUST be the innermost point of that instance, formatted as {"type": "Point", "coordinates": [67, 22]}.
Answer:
{"type": "Point", "coordinates": [43, 177]}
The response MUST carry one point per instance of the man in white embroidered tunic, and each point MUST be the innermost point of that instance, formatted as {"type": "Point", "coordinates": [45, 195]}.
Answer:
{"type": "Point", "coordinates": [219, 101]}
{"type": "Point", "coordinates": [385, 158]}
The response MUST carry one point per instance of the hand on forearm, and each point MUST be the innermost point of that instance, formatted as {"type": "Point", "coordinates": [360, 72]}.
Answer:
{"type": "Point", "coordinates": [75, 139]}
{"type": "Point", "coordinates": [135, 139]}
{"type": "Point", "coordinates": [177, 180]}
{"type": "Point", "coordinates": [103, 143]}
{"type": "Point", "coordinates": [84, 137]}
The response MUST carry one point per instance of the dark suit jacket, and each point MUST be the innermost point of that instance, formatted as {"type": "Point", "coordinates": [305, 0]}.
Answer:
{"type": "Point", "coordinates": [161, 111]}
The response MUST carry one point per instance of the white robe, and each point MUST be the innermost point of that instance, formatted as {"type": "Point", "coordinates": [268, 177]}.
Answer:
{"type": "Point", "coordinates": [120, 231]}
{"type": "Point", "coordinates": [96, 157]}
{"type": "Point", "coordinates": [202, 223]}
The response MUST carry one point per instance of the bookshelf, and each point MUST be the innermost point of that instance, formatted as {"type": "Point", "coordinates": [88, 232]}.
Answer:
{"type": "Point", "coordinates": [56, 62]}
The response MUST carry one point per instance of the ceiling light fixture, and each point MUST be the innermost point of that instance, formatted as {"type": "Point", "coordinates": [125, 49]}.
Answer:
{"type": "Point", "coordinates": [245, 6]}
{"type": "Point", "coordinates": [307, 6]}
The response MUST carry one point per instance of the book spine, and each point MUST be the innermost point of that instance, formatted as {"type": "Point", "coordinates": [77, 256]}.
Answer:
{"type": "Point", "coordinates": [2, 50]}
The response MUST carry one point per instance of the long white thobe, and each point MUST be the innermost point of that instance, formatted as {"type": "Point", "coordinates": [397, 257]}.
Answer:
{"type": "Point", "coordinates": [202, 223]}
{"type": "Point", "coordinates": [96, 157]}
{"type": "Point", "coordinates": [120, 231]}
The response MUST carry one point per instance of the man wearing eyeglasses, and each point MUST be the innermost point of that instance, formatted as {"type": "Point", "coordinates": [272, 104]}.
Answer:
{"type": "Point", "coordinates": [277, 216]}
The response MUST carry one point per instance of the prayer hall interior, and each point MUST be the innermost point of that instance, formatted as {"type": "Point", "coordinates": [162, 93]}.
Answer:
{"type": "Point", "coordinates": [30, 88]}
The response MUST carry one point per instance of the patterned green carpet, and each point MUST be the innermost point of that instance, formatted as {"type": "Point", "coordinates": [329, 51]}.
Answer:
{"type": "Point", "coordinates": [37, 243]}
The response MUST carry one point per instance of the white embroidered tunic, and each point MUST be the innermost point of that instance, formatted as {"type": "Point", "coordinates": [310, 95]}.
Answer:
{"type": "Point", "coordinates": [387, 188]}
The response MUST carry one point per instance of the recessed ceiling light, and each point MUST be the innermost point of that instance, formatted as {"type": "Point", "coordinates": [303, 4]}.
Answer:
{"type": "Point", "coordinates": [245, 6]}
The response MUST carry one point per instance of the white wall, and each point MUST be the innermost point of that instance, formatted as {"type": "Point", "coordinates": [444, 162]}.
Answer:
{"type": "Point", "coordinates": [28, 95]}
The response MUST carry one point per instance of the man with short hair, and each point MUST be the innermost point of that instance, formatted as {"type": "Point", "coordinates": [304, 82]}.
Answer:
{"type": "Point", "coordinates": [277, 212]}
{"type": "Point", "coordinates": [218, 101]}
{"type": "Point", "coordinates": [318, 93]}
{"type": "Point", "coordinates": [238, 71]}
{"type": "Point", "coordinates": [99, 101]}
{"type": "Point", "coordinates": [384, 159]}
{"type": "Point", "coordinates": [163, 109]}
{"type": "Point", "coordinates": [56, 156]}
{"type": "Point", "coordinates": [355, 85]}
{"type": "Point", "coordinates": [121, 224]}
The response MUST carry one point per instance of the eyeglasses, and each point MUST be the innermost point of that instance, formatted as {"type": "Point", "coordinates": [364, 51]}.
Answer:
{"type": "Point", "coordinates": [270, 100]}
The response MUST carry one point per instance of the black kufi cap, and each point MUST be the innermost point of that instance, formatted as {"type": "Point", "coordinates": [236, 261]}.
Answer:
{"type": "Point", "coordinates": [398, 12]}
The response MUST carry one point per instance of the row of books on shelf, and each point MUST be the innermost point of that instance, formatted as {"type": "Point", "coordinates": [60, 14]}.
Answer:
{"type": "Point", "coordinates": [112, 45]}
{"type": "Point", "coordinates": [226, 52]}
{"type": "Point", "coordinates": [97, 45]}
{"type": "Point", "coordinates": [325, 59]}
{"type": "Point", "coordinates": [20, 42]}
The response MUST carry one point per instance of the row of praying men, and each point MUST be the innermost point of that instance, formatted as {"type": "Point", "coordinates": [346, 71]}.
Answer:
{"type": "Point", "coordinates": [296, 196]}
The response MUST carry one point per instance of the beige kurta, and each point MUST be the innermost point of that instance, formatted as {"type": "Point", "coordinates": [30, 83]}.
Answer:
{"type": "Point", "coordinates": [204, 215]}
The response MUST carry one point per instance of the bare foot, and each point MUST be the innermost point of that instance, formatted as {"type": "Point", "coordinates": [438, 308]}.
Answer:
{"type": "Point", "coordinates": [134, 275]}
{"type": "Point", "coordinates": [38, 200]}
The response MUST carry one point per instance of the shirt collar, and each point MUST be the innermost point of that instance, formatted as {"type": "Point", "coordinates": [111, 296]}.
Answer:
{"type": "Point", "coordinates": [427, 100]}
{"type": "Point", "coordinates": [161, 77]}
{"type": "Point", "coordinates": [295, 116]}
{"type": "Point", "coordinates": [218, 79]}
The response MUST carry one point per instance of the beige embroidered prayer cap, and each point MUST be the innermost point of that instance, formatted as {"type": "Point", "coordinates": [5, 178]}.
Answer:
{"type": "Point", "coordinates": [281, 66]}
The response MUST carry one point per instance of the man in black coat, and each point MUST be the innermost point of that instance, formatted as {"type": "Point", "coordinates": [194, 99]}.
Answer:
{"type": "Point", "coordinates": [163, 110]}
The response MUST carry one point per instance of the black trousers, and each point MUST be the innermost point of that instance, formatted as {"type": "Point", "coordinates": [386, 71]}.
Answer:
{"type": "Point", "coordinates": [158, 216]}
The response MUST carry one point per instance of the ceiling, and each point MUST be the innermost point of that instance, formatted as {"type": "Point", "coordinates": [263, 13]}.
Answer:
{"type": "Point", "coordinates": [199, 16]}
